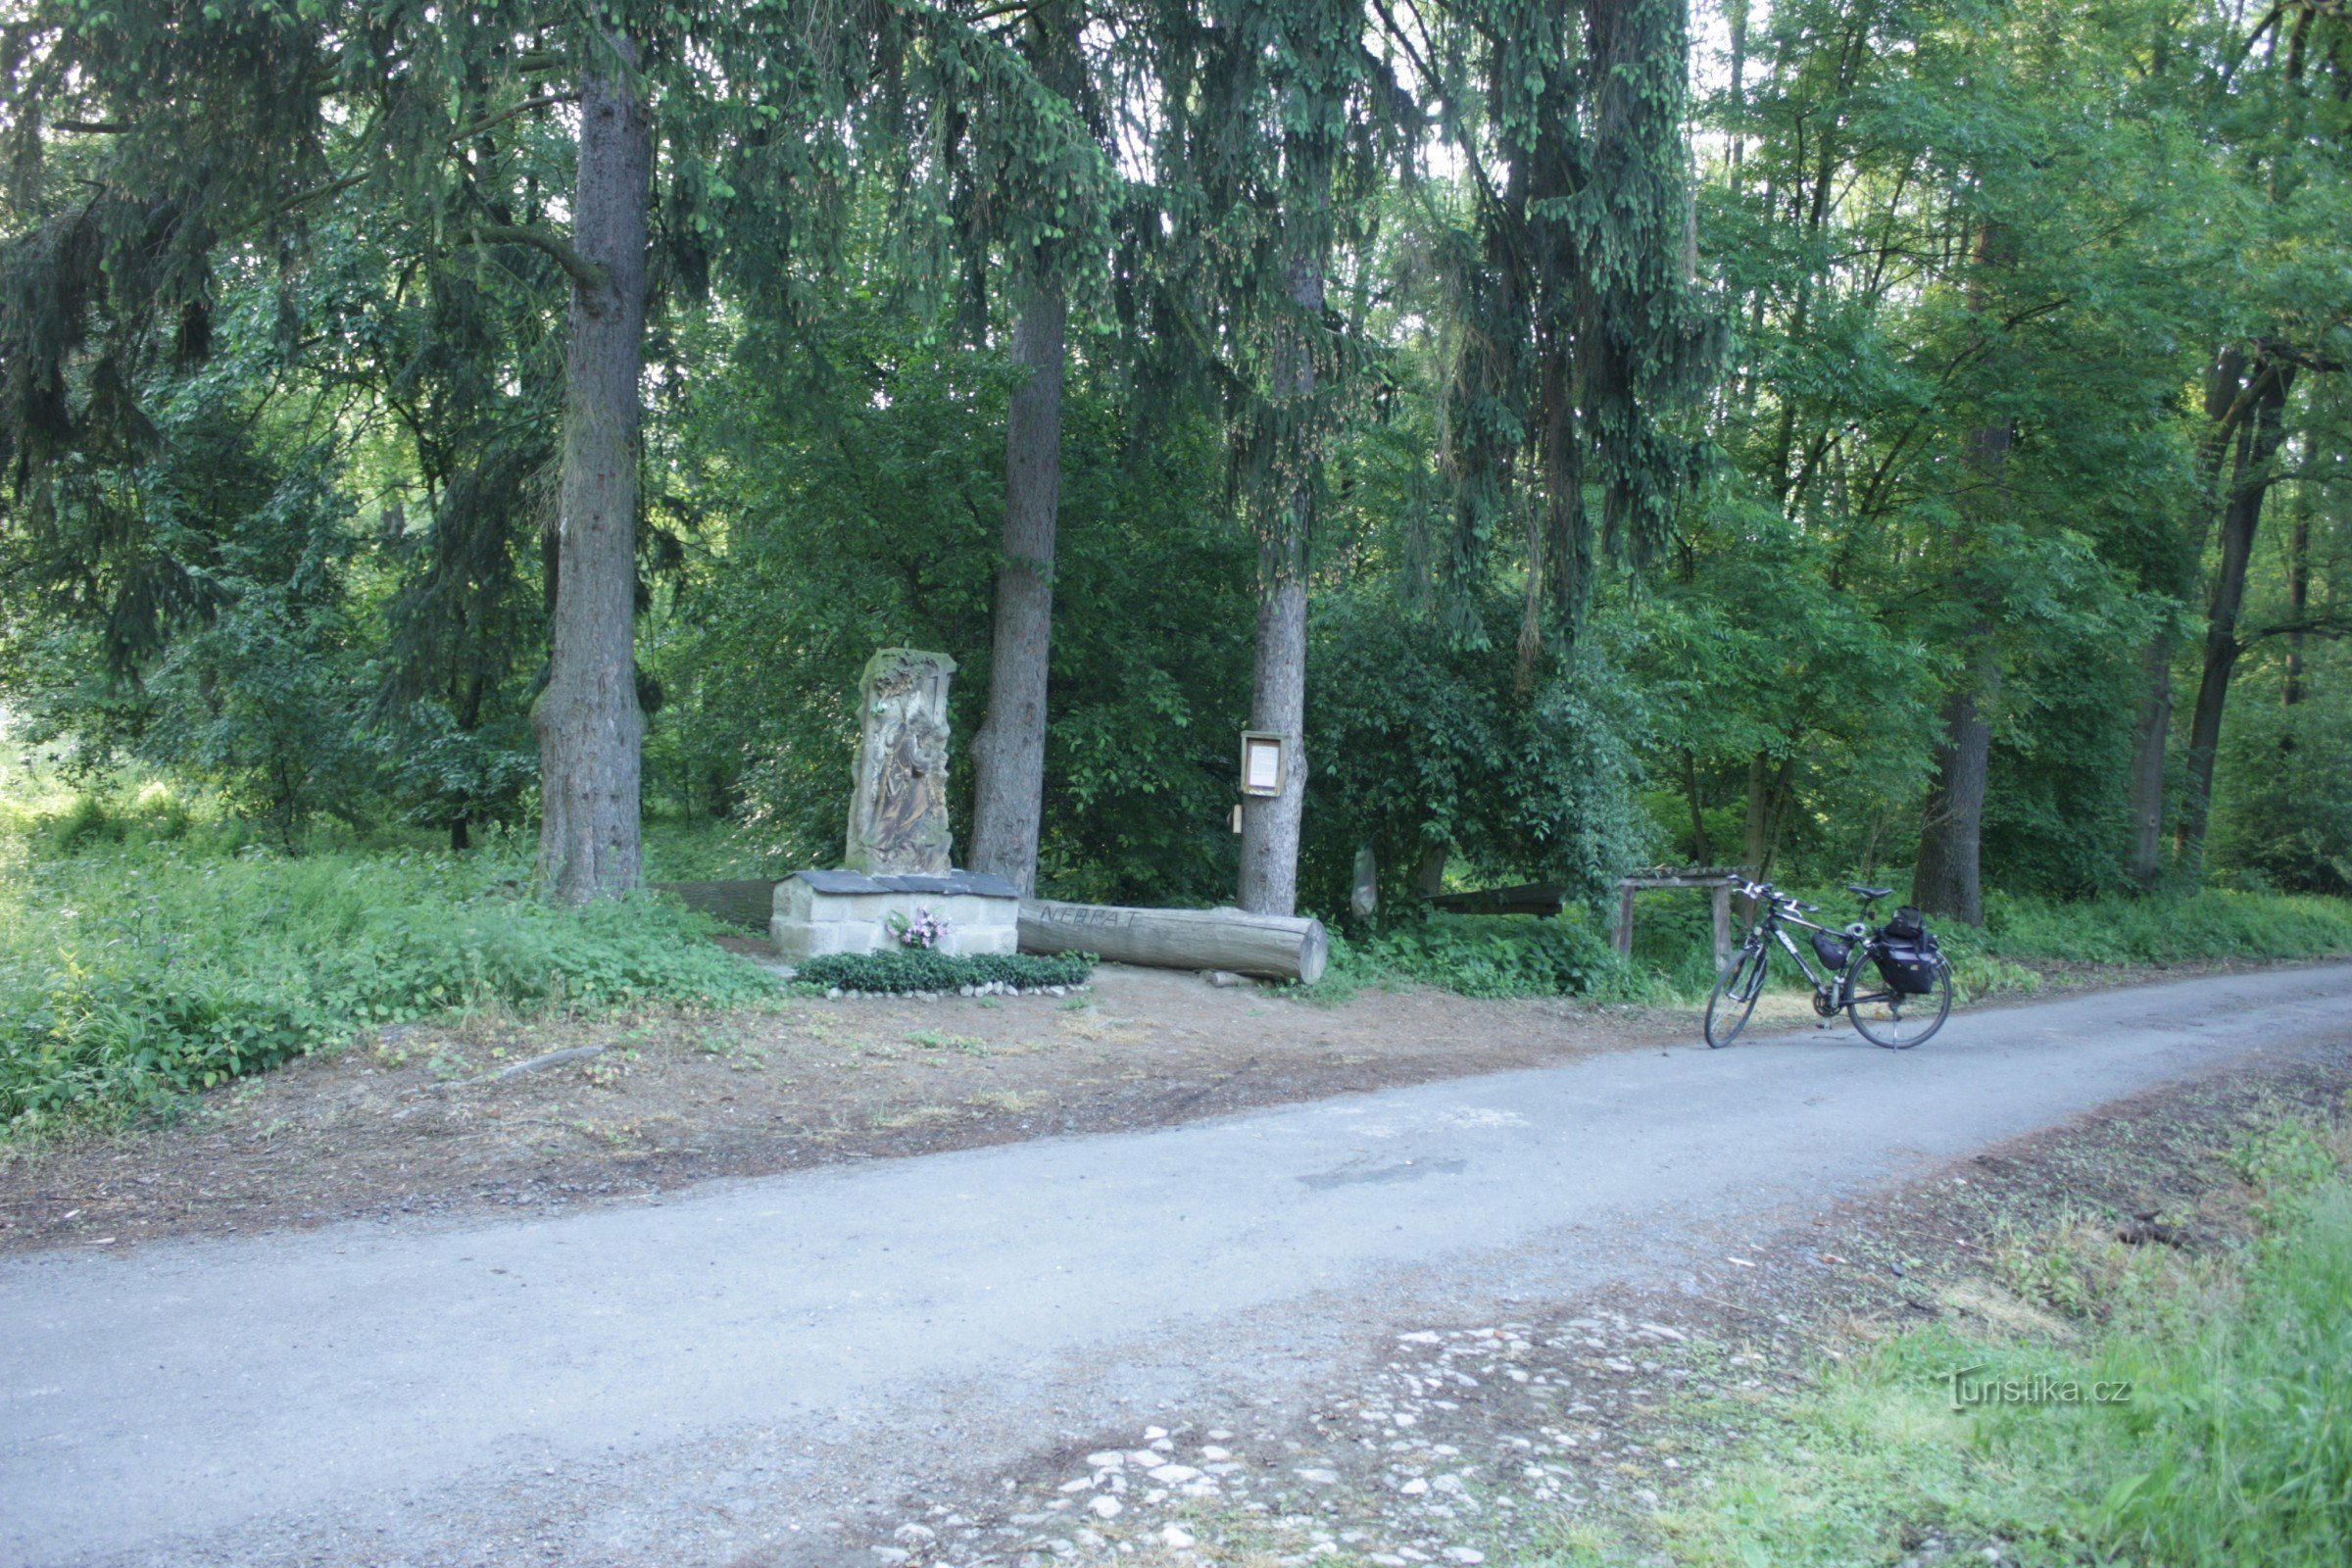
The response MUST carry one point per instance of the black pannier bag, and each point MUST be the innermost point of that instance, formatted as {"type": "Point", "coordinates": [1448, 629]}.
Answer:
{"type": "Point", "coordinates": [1907, 952]}
{"type": "Point", "coordinates": [1831, 948]}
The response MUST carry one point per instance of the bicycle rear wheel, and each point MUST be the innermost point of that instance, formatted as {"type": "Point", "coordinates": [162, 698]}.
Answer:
{"type": "Point", "coordinates": [1735, 996]}
{"type": "Point", "coordinates": [1895, 1019]}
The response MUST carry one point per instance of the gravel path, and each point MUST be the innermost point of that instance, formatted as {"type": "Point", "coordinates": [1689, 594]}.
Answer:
{"type": "Point", "coordinates": [758, 1371]}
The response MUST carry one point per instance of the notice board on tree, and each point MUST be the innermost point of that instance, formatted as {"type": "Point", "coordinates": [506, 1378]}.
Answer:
{"type": "Point", "coordinates": [1266, 762]}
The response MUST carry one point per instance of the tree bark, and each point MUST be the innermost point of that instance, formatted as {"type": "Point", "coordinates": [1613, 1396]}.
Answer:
{"type": "Point", "coordinates": [1702, 852]}
{"type": "Point", "coordinates": [1758, 835]}
{"type": "Point", "coordinates": [1270, 825]}
{"type": "Point", "coordinates": [2241, 521]}
{"type": "Point", "coordinates": [2298, 605]}
{"type": "Point", "coordinates": [1949, 878]}
{"type": "Point", "coordinates": [1768, 789]}
{"type": "Point", "coordinates": [2225, 381]}
{"type": "Point", "coordinates": [1429, 872]}
{"type": "Point", "coordinates": [589, 724]}
{"type": "Point", "coordinates": [2150, 735]}
{"type": "Point", "coordinates": [1010, 752]}
{"type": "Point", "coordinates": [1277, 947]}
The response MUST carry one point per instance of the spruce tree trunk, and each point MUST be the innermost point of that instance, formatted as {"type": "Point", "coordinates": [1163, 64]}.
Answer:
{"type": "Point", "coordinates": [2149, 737]}
{"type": "Point", "coordinates": [1270, 825]}
{"type": "Point", "coordinates": [589, 724]}
{"type": "Point", "coordinates": [2241, 521]}
{"type": "Point", "coordinates": [1949, 878]}
{"type": "Point", "coordinates": [1009, 751]}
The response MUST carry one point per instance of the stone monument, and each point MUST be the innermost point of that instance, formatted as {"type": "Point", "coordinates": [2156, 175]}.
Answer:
{"type": "Point", "coordinates": [899, 859]}
{"type": "Point", "coordinates": [899, 804]}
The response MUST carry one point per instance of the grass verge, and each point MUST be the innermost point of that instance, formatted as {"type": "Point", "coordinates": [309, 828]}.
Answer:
{"type": "Point", "coordinates": [137, 967]}
{"type": "Point", "coordinates": [2141, 1404]}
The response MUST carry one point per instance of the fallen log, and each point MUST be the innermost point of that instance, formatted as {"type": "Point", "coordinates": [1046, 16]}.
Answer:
{"type": "Point", "coordinates": [1274, 947]}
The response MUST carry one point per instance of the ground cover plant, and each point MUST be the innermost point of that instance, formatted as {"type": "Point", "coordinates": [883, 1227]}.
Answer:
{"type": "Point", "coordinates": [144, 956]}
{"type": "Point", "coordinates": [902, 973]}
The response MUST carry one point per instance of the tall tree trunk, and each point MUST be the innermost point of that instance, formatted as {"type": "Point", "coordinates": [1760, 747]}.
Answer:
{"type": "Point", "coordinates": [1949, 878]}
{"type": "Point", "coordinates": [589, 724]}
{"type": "Point", "coordinates": [2298, 605]}
{"type": "Point", "coordinates": [2225, 381]}
{"type": "Point", "coordinates": [1009, 751]}
{"type": "Point", "coordinates": [1270, 825]}
{"type": "Point", "coordinates": [1429, 872]}
{"type": "Point", "coordinates": [1702, 851]}
{"type": "Point", "coordinates": [2150, 734]}
{"type": "Point", "coordinates": [1758, 838]}
{"type": "Point", "coordinates": [1269, 883]}
{"type": "Point", "coordinates": [2241, 519]}
{"type": "Point", "coordinates": [1769, 786]}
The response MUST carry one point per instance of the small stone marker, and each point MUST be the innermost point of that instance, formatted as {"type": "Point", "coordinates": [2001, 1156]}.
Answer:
{"type": "Point", "coordinates": [899, 804]}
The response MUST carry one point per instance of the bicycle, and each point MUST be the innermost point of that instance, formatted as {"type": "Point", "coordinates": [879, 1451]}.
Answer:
{"type": "Point", "coordinates": [1858, 977]}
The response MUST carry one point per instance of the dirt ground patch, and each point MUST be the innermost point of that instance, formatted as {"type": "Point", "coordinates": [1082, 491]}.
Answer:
{"type": "Point", "coordinates": [1524, 1437]}
{"type": "Point", "coordinates": [403, 1125]}
{"type": "Point", "coordinates": [399, 1126]}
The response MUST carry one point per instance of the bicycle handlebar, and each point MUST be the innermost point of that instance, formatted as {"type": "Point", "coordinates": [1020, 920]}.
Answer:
{"type": "Point", "coordinates": [1759, 892]}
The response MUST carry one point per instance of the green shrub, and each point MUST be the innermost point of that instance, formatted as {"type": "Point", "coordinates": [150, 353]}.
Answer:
{"type": "Point", "coordinates": [134, 973]}
{"type": "Point", "coordinates": [913, 969]}
{"type": "Point", "coordinates": [1493, 955]}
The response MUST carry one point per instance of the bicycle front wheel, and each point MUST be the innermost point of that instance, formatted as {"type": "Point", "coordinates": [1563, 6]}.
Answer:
{"type": "Point", "coordinates": [1896, 1019]}
{"type": "Point", "coordinates": [1735, 996]}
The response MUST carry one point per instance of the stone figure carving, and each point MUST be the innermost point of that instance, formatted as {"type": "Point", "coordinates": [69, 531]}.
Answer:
{"type": "Point", "coordinates": [899, 808]}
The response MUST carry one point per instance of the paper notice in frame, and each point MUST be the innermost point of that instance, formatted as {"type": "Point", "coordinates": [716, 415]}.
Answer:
{"type": "Point", "coordinates": [1262, 763]}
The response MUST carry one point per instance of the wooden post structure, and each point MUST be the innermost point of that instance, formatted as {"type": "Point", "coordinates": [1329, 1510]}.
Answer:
{"type": "Point", "coordinates": [1717, 880]}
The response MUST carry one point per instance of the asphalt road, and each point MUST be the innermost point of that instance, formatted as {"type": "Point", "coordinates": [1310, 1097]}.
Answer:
{"type": "Point", "coordinates": [720, 1375]}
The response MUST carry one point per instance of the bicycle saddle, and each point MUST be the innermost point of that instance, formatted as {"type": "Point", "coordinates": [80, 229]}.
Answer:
{"type": "Point", "coordinates": [1866, 894]}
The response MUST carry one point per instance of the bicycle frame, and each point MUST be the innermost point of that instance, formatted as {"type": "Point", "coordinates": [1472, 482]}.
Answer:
{"type": "Point", "coordinates": [1774, 917]}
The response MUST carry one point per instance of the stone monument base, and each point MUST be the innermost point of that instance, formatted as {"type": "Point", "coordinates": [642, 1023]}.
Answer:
{"type": "Point", "coordinates": [818, 913]}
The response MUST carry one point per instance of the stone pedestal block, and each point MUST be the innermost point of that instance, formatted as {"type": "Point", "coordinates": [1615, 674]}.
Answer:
{"type": "Point", "coordinates": [818, 913]}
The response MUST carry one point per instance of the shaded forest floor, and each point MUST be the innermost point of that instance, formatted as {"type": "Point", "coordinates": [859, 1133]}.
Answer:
{"type": "Point", "coordinates": [414, 1122]}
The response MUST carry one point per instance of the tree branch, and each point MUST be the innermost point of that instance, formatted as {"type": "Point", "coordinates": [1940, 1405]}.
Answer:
{"type": "Point", "coordinates": [2326, 623]}
{"type": "Point", "coordinates": [584, 273]}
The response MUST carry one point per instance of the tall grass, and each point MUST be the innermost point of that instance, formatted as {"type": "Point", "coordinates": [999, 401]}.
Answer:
{"type": "Point", "coordinates": [2231, 1443]}
{"type": "Point", "coordinates": [143, 955]}
{"type": "Point", "coordinates": [2238, 1445]}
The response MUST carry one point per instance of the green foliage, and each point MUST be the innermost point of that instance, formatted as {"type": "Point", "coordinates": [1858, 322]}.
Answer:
{"type": "Point", "coordinates": [1492, 955]}
{"type": "Point", "coordinates": [1421, 739]}
{"type": "Point", "coordinates": [910, 970]}
{"type": "Point", "coordinates": [2203, 926]}
{"type": "Point", "coordinates": [865, 473]}
{"type": "Point", "coordinates": [138, 962]}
